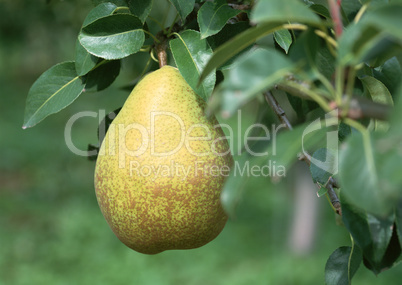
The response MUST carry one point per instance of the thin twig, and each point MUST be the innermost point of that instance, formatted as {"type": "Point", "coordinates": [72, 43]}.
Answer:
{"type": "Point", "coordinates": [305, 157]}
{"type": "Point", "coordinates": [278, 109]}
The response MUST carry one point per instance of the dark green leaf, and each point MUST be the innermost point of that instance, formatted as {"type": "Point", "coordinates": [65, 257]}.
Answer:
{"type": "Point", "coordinates": [140, 8]}
{"type": "Point", "coordinates": [236, 45]}
{"type": "Point", "coordinates": [305, 51]}
{"type": "Point", "coordinates": [252, 73]}
{"type": "Point", "coordinates": [324, 164]}
{"type": "Point", "coordinates": [283, 38]}
{"type": "Point", "coordinates": [183, 7]}
{"type": "Point", "coordinates": [102, 76]}
{"type": "Point", "coordinates": [113, 37]}
{"type": "Point", "coordinates": [321, 10]}
{"type": "Point", "coordinates": [213, 16]}
{"type": "Point", "coordinates": [398, 220]}
{"type": "Point", "coordinates": [369, 172]}
{"type": "Point", "coordinates": [380, 94]}
{"type": "Point", "coordinates": [227, 33]}
{"type": "Point", "coordinates": [100, 11]}
{"type": "Point", "coordinates": [371, 233]}
{"type": "Point", "coordinates": [84, 61]}
{"type": "Point", "coordinates": [284, 12]}
{"type": "Point", "coordinates": [119, 3]}
{"type": "Point", "coordinates": [390, 74]}
{"type": "Point", "coordinates": [191, 53]}
{"type": "Point", "coordinates": [296, 104]}
{"type": "Point", "coordinates": [54, 90]}
{"type": "Point", "coordinates": [344, 131]}
{"type": "Point", "coordinates": [342, 265]}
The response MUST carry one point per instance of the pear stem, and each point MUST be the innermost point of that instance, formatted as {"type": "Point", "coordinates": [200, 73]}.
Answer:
{"type": "Point", "coordinates": [160, 48]}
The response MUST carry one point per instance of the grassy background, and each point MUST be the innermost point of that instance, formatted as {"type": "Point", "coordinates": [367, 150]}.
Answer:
{"type": "Point", "coordinates": [51, 229]}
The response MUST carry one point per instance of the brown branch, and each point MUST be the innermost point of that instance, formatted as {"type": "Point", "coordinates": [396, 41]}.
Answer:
{"type": "Point", "coordinates": [359, 107]}
{"type": "Point", "coordinates": [335, 8]}
{"type": "Point", "coordinates": [305, 157]}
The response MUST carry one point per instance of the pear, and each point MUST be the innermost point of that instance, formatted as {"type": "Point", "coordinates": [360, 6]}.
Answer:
{"type": "Point", "coordinates": [162, 166]}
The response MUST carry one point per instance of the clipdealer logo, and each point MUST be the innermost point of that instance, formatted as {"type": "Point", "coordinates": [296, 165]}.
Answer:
{"type": "Point", "coordinates": [244, 142]}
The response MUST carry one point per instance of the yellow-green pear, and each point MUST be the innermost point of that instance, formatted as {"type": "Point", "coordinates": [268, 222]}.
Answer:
{"type": "Point", "coordinates": [162, 166]}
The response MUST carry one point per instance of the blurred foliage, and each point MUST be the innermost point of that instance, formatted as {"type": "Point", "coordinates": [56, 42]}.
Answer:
{"type": "Point", "coordinates": [51, 229]}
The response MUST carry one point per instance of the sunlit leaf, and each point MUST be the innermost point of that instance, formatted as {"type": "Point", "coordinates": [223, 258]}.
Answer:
{"type": "Point", "coordinates": [54, 90]}
{"type": "Point", "coordinates": [191, 54]}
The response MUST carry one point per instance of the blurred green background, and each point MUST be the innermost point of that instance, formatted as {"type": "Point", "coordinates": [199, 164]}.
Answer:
{"type": "Point", "coordinates": [51, 229]}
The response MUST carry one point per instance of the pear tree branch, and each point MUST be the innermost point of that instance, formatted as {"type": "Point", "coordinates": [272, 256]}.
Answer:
{"type": "Point", "coordinates": [359, 107]}
{"type": "Point", "coordinates": [332, 183]}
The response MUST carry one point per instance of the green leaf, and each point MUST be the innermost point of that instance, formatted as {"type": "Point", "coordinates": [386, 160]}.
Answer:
{"type": "Point", "coordinates": [183, 7]}
{"type": "Point", "coordinates": [373, 36]}
{"type": "Point", "coordinates": [369, 172]}
{"type": "Point", "coordinates": [102, 76]}
{"type": "Point", "coordinates": [227, 33]}
{"type": "Point", "coordinates": [113, 37]}
{"type": "Point", "coordinates": [321, 10]}
{"type": "Point", "coordinates": [119, 3]}
{"type": "Point", "coordinates": [387, 18]}
{"type": "Point", "coordinates": [213, 16]}
{"type": "Point", "coordinates": [54, 90]}
{"type": "Point", "coordinates": [398, 220]}
{"type": "Point", "coordinates": [283, 39]}
{"type": "Point", "coordinates": [140, 8]}
{"type": "Point", "coordinates": [84, 61]}
{"type": "Point", "coordinates": [100, 11]}
{"type": "Point", "coordinates": [371, 233]}
{"type": "Point", "coordinates": [235, 185]}
{"type": "Point", "coordinates": [252, 74]}
{"type": "Point", "coordinates": [191, 53]}
{"type": "Point", "coordinates": [324, 165]}
{"type": "Point", "coordinates": [380, 94]}
{"type": "Point", "coordinates": [390, 74]}
{"type": "Point", "coordinates": [284, 12]}
{"type": "Point", "coordinates": [342, 265]}
{"type": "Point", "coordinates": [236, 45]}
{"type": "Point", "coordinates": [344, 131]}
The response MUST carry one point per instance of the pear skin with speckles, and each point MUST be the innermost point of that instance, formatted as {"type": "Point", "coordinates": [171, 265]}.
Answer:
{"type": "Point", "coordinates": [162, 166]}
